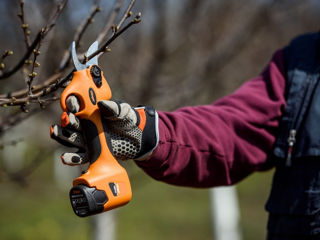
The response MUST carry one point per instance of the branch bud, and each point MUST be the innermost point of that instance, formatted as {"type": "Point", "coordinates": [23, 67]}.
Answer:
{"type": "Point", "coordinates": [129, 14]}
{"type": "Point", "coordinates": [24, 26]}
{"type": "Point", "coordinates": [86, 58]}
{"type": "Point", "coordinates": [107, 49]}
{"type": "Point", "coordinates": [37, 64]}
{"type": "Point", "coordinates": [33, 74]}
{"type": "Point", "coordinates": [24, 108]}
{"type": "Point", "coordinates": [2, 66]}
{"type": "Point", "coordinates": [36, 52]}
{"type": "Point", "coordinates": [27, 62]}
{"type": "Point", "coordinates": [137, 19]}
{"type": "Point", "coordinates": [42, 106]}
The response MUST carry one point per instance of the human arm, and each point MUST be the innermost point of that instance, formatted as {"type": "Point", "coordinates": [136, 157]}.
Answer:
{"type": "Point", "coordinates": [221, 143]}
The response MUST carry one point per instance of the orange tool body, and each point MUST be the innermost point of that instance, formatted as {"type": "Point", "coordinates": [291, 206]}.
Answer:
{"type": "Point", "coordinates": [105, 185]}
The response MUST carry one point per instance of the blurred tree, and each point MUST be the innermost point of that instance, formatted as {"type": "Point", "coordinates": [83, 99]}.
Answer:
{"type": "Point", "coordinates": [184, 52]}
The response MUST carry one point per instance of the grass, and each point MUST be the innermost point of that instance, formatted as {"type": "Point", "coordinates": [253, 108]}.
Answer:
{"type": "Point", "coordinates": [39, 210]}
{"type": "Point", "coordinates": [157, 210]}
{"type": "Point", "coordinates": [253, 193]}
{"type": "Point", "coordinates": [160, 211]}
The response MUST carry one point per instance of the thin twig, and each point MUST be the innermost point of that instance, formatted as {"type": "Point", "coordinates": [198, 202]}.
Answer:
{"type": "Point", "coordinates": [110, 21]}
{"type": "Point", "coordinates": [35, 64]}
{"type": "Point", "coordinates": [10, 143]}
{"type": "Point", "coordinates": [44, 31]}
{"type": "Point", "coordinates": [7, 74]}
{"type": "Point", "coordinates": [52, 22]}
{"type": "Point", "coordinates": [78, 35]}
{"type": "Point", "coordinates": [126, 15]}
{"type": "Point", "coordinates": [35, 88]}
{"type": "Point", "coordinates": [21, 175]}
{"type": "Point", "coordinates": [16, 118]}
{"type": "Point", "coordinates": [41, 34]}
{"type": "Point", "coordinates": [24, 25]}
{"type": "Point", "coordinates": [6, 54]}
{"type": "Point", "coordinates": [104, 47]}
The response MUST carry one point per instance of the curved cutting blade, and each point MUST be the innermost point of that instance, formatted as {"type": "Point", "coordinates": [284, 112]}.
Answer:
{"type": "Point", "coordinates": [92, 49]}
{"type": "Point", "coordinates": [78, 65]}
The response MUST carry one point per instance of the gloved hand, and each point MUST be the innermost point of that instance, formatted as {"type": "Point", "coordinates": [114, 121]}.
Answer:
{"type": "Point", "coordinates": [132, 132]}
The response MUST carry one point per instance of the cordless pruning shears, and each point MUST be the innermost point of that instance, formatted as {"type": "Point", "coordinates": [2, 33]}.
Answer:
{"type": "Point", "coordinates": [105, 185]}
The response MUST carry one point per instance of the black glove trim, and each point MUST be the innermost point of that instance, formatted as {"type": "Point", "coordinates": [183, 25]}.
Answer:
{"type": "Point", "coordinates": [150, 134]}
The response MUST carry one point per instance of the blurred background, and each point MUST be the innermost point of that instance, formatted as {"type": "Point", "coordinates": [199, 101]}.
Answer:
{"type": "Point", "coordinates": [185, 52]}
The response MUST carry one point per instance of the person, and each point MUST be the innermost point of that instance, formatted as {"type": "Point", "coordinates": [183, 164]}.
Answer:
{"type": "Point", "coordinates": [270, 121]}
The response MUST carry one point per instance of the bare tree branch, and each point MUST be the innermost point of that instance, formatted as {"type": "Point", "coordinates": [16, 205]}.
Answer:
{"type": "Point", "coordinates": [37, 42]}
{"type": "Point", "coordinates": [24, 25]}
{"type": "Point", "coordinates": [5, 75]}
{"type": "Point", "coordinates": [44, 31]}
{"type": "Point", "coordinates": [35, 94]}
{"type": "Point", "coordinates": [125, 15]}
{"type": "Point", "coordinates": [16, 118]}
{"type": "Point", "coordinates": [110, 21]}
{"type": "Point", "coordinates": [21, 175]}
{"type": "Point", "coordinates": [78, 35]}
{"type": "Point", "coordinates": [104, 47]}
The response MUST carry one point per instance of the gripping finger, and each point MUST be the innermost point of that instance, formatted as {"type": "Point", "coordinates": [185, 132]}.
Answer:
{"type": "Point", "coordinates": [67, 137]}
{"type": "Point", "coordinates": [74, 158]}
{"type": "Point", "coordinates": [69, 120]}
{"type": "Point", "coordinates": [114, 111]}
{"type": "Point", "coordinates": [109, 109]}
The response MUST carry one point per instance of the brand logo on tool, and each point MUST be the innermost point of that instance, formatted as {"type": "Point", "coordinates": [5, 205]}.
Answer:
{"type": "Point", "coordinates": [92, 96]}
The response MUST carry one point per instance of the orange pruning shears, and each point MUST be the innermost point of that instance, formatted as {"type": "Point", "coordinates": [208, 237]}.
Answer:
{"type": "Point", "coordinates": [105, 185]}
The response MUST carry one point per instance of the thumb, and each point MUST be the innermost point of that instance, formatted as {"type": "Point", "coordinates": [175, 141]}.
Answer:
{"type": "Point", "coordinates": [114, 110]}
{"type": "Point", "coordinates": [109, 109]}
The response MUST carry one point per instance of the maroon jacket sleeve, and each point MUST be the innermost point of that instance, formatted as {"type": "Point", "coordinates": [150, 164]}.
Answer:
{"type": "Point", "coordinates": [221, 143]}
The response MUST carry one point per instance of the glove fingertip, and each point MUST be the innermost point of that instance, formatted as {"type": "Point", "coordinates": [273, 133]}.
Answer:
{"type": "Point", "coordinates": [109, 109]}
{"type": "Point", "coordinates": [53, 131]}
{"type": "Point", "coordinates": [73, 104]}
{"type": "Point", "coordinates": [62, 159]}
{"type": "Point", "coordinates": [69, 120]}
{"type": "Point", "coordinates": [65, 119]}
{"type": "Point", "coordinates": [72, 159]}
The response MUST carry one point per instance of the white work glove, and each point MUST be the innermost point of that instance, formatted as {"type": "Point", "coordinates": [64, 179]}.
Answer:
{"type": "Point", "coordinates": [132, 132]}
